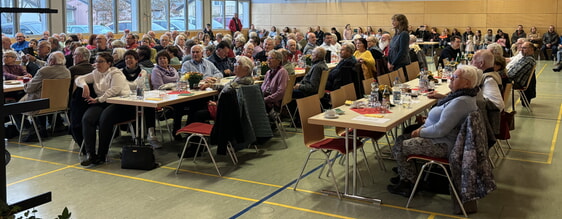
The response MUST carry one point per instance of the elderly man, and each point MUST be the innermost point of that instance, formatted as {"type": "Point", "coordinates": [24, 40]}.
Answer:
{"type": "Point", "coordinates": [164, 41]}
{"type": "Point", "coordinates": [309, 84]}
{"type": "Point", "coordinates": [81, 59]}
{"type": "Point", "coordinates": [301, 40]}
{"type": "Point", "coordinates": [328, 46]}
{"type": "Point", "coordinates": [520, 72]}
{"type": "Point", "coordinates": [131, 41]}
{"type": "Point", "coordinates": [6, 44]}
{"type": "Point", "coordinates": [109, 35]}
{"type": "Point", "coordinates": [101, 46]}
{"type": "Point", "coordinates": [550, 40]}
{"type": "Point", "coordinates": [294, 53]}
{"type": "Point", "coordinates": [198, 64]}
{"type": "Point", "coordinates": [55, 70]}
{"type": "Point", "coordinates": [518, 54]}
{"type": "Point", "coordinates": [126, 33]}
{"type": "Point", "coordinates": [44, 48]}
{"type": "Point", "coordinates": [491, 80]}
{"type": "Point", "coordinates": [310, 45]}
{"type": "Point", "coordinates": [345, 72]}
{"type": "Point", "coordinates": [20, 43]}
{"type": "Point", "coordinates": [384, 43]}
{"type": "Point", "coordinates": [452, 51]}
{"type": "Point", "coordinates": [220, 59]}
{"type": "Point", "coordinates": [268, 46]}
{"type": "Point", "coordinates": [45, 36]}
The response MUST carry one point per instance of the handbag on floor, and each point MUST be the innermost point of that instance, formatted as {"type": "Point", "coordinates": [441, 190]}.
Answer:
{"type": "Point", "coordinates": [138, 157]}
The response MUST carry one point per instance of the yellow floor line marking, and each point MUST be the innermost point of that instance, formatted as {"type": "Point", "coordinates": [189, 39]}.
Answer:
{"type": "Point", "coordinates": [74, 166]}
{"type": "Point", "coordinates": [541, 71]}
{"type": "Point", "coordinates": [39, 146]}
{"type": "Point", "coordinates": [524, 160]}
{"type": "Point", "coordinates": [527, 152]}
{"type": "Point", "coordinates": [431, 216]}
{"type": "Point", "coordinates": [555, 136]}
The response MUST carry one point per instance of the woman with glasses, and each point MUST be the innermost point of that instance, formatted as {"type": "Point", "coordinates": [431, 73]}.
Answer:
{"type": "Point", "coordinates": [106, 81]}
{"type": "Point", "coordinates": [275, 81]}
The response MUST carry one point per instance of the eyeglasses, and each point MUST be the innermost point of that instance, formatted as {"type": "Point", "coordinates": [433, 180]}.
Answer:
{"type": "Point", "coordinates": [9, 56]}
{"type": "Point", "coordinates": [236, 64]}
{"type": "Point", "coordinates": [453, 77]}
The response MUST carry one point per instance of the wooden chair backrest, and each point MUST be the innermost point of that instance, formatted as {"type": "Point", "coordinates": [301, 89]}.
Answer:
{"type": "Point", "coordinates": [288, 95]}
{"type": "Point", "coordinates": [507, 92]}
{"type": "Point", "coordinates": [384, 79]}
{"type": "Point", "coordinates": [322, 84]}
{"type": "Point", "coordinates": [349, 91]}
{"type": "Point", "coordinates": [413, 69]}
{"type": "Point", "coordinates": [177, 67]}
{"type": "Point", "coordinates": [308, 107]}
{"type": "Point", "coordinates": [367, 85]}
{"type": "Point", "coordinates": [337, 97]}
{"type": "Point", "coordinates": [393, 75]}
{"type": "Point", "coordinates": [57, 92]}
{"type": "Point", "coordinates": [401, 75]}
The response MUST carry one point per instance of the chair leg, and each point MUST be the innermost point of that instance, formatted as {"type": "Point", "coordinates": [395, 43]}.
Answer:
{"type": "Point", "coordinates": [21, 127]}
{"type": "Point", "coordinates": [291, 117]}
{"type": "Point", "coordinates": [37, 131]}
{"type": "Point", "coordinates": [332, 172]}
{"type": "Point", "coordinates": [183, 152]}
{"type": "Point", "coordinates": [508, 144]}
{"type": "Point", "coordinates": [113, 135]}
{"type": "Point", "coordinates": [416, 184]}
{"type": "Point", "coordinates": [378, 154]}
{"type": "Point", "coordinates": [232, 153]}
{"type": "Point", "coordinates": [210, 154]}
{"type": "Point", "coordinates": [367, 164]}
{"type": "Point", "coordinates": [303, 167]}
{"type": "Point", "coordinates": [525, 101]}
{"type": "Point", "coordinates": [281, 129]}
{"type": "Point", "coordinates": [454, 190]}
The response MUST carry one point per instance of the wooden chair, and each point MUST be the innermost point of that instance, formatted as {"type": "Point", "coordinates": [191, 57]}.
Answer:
{"type": "Point", "coordinates": [338, 98]}
{"type": "Point", "coordinates": [177, 67]}
{"type": "Point", "coordinates": [524, 101]}
{"type": "Point", "coordinates": [322, 84]}
{"type": "Point", "coordinates": [56, 90]}
{"type": "Point", "coordinates": [384, 79]}
{"type": "Point", "coordinates": [287, 97]}
{"type": "Point", "coordinates": [392, 76]}
{"type": "Point", "coordinates": [349, 92]}
{"type": "Point", "coordinates": [401, 76]}
{"type": "Point", "coordinates": [314, 138]}
{"type": "Point", "coordinates": [367, 85]}
{"type": "Point", "coordinates": [413, 69]}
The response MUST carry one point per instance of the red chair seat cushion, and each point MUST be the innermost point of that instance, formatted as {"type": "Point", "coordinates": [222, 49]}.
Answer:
{"type": "Point", "coordinates": [337, 144]}
{"type": "Point", "coordinates": [428, 158]}
{"type": "Point", "coordinates": [197, 128]}
{"type": "Point", "coordinates": [365, 134]}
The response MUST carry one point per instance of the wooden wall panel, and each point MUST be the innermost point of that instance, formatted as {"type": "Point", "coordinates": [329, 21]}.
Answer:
{"type": "Point", "coordinates": [352, 8]}
{"type": "Point", "coordinates": [260, 9]}
{"type": "Point", "coordinates": [522, 6]}
{"type": "Point", "coordinates": [449, 7]}
{"type": "Point", "coordinates": [396, 7]}
{"type": "Point", "coordinates": [479, 14]}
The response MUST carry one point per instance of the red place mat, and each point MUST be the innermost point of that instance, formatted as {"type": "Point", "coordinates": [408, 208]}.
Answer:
{"type": "Point", "coordinates": [179, 92]}
{"type": "Point", "coordinates": [371, 111]}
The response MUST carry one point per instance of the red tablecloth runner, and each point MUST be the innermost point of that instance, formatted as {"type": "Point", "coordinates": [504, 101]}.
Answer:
{"type": "Point", "coordinates": [371, 111]}
{"type": "Point", "coordinates": [179, 92]}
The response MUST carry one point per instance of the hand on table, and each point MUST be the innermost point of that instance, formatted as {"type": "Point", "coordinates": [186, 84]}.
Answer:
{"type": "Point", "coordinates": [435, 95]}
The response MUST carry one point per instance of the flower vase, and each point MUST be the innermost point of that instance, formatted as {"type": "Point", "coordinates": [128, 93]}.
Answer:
{"type": "Point", "coordinates": [194, 84]}
{"type": "Point", "coordinates": [264, 69]}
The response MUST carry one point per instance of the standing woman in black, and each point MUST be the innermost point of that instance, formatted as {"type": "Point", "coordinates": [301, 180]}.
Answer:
{"type": "Point", "coordinates": [399, 44]}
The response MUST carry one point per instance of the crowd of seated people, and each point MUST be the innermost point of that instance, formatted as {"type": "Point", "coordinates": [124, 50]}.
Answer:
{"type": "Point", "coordinates": [147, 57]}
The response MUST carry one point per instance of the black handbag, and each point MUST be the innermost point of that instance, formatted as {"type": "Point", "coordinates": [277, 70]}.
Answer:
{"type": "Point", "coordinates": [140, 158]}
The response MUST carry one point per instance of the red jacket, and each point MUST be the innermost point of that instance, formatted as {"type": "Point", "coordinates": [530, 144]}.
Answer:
{"type": "Point", "coordinates": [232, 25]}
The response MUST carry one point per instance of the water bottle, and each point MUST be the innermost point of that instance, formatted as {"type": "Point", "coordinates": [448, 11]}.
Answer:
{"type": "Point", "coordinates": [374, 97]}
{"type": "Point", "coordinates": [140, 88]}
{"type": "Point", "coordinates": [423, 81]}
{"type": "Point", "coordinates": [396, 90]}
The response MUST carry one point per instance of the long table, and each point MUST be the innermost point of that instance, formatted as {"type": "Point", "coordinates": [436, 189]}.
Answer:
{"type": "Point", "coordinates": [155, 102]}
{"type": "Point", "coordinates": [13, 85]}
{"type": "Point", "coordinates": [354, 120]}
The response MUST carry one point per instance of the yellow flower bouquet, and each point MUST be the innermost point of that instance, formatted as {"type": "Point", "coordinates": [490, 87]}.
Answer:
{"type": "Point", "coordinates": [193, 78]}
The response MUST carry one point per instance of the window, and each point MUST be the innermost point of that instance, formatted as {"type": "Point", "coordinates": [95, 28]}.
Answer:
{"type": "Point", "coordinates": [28, 21]}
{"type": "Point", "coordinates": [195, 15]}
{"type": "Point", "coordinates": [163, 9]}
{"type": "Point", "coordinates": [244, 13]}
{"type": "Point", "coordinates": [7, 20]}
{"type": "Point", "coordinates": [127, 12]}
{"type": "Point", "coordinates": [217, 15]}
{"type": "Point", "coordinates": [102, 13]}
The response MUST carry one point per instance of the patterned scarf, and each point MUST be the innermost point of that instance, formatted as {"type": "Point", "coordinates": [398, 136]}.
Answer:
{"type": "Point", "coordinates": [460, 92]}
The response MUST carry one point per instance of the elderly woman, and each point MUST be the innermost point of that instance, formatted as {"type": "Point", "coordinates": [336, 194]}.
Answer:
{"type": "Point", "coordinates": [163, 73]}
{"type": "Point", "coordinates": [295, 53]}
{"type": "Point", "coordinates": [107, 82]}
{"type": "Point", "coordinates": [275, 81]}
{"type": "Point", "coordinates": [365, 57]}
{"type": "Point", "coordinates": [180, 43]}
{"type": "Point", "coordinates": [119, 57]}
{"type": "Point", "coordinates": [13, 71]}
{"type": "Point", "coordinates": [440, 130]}
{"type": "Point", "coordinates": [496, 49]}
{"type": "Point", "coordinates": [249, 50]}
{"type": "Point", "coordinates": [243, 72]}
